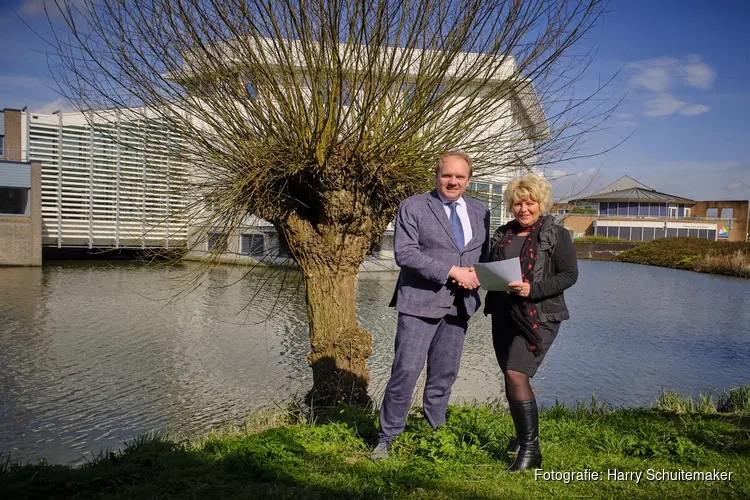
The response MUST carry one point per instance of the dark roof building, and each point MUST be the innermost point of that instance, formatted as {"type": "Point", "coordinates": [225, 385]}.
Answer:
{"type": "Point", "coordinates": [628, 189]}
{"type": "Point", "coordinates": [630, 210]}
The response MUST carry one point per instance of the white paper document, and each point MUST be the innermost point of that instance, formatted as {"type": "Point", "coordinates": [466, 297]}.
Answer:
{"type": "Point", "coordinates": [495, 276]}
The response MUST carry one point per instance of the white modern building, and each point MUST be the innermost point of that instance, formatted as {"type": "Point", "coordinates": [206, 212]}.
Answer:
{"type": "Point", "coordinates": [111, 180]}
{"type": "Point", "coordinates": [108, 181]}
{"type": "Point", "coordinates": [519, 119]}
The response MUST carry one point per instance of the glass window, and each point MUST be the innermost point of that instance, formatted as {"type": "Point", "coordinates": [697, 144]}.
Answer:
{"type": "Point", "coordinates": [624, 233]}
{"type": "Point", "coordinates": [252, 244]}
{"type": "Point", "coordinates": [281, 250]}
{"type": "Point", "coordinates": [648, 233]}
{"type": "Point", "coordinates": [622, 209]}
{"type": "Point", "coordinates": [662, 210]}
{"type": "Point", "coordinates": [658, 233]}
{"type": "Point", "coordinates": [217, 242]}
{"type": "Point", "coordinates": [681, 211]}
{"type": "Point", "coordinates": [346, 93]}
{"type": "Point", "coordinates": [671, 232]}
{"type": "Point", "coordinates": [703, 233]}
{"type": "Point", "coordinates": [387, 243]}
{"type": "Point", "coordinates": [727, 213]}
{"type": "Point", "coordinates": [692, 233]}
{"type": "Point", "coordinates": [712, 213]}
{"type": "Point", "coordinates": [633, 209]}
{"type": "Point", "coordinates": [636, 234]}
{"type": "Point", "coordinates": [14, 200]}
{"type": "Point", "coordinates": [497, 210]}
{"type": "Point", "coordinates": [497, 188]}
{"type": "Point", "coordinates": [601, 231]}
{"type": "Point", "coordinates": [612, 232]}
{"type": "Point", "coordinates": [2, 145]}
{"type": "Point", "coordinates": [712, 234]}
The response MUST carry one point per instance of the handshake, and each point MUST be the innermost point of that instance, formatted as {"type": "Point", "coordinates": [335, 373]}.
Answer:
{"type": "Point", "coordinates": [465, 277]}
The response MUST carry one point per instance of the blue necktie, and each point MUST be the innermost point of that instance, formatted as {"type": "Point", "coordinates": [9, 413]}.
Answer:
{"type": "Point", "coordinates": [458, 228]}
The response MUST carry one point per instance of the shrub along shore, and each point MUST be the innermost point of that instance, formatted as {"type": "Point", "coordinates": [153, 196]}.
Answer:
{"type": "Point", "coordinates": [679, 448]}
{"type": "Point", "coordinates": [693, 254]}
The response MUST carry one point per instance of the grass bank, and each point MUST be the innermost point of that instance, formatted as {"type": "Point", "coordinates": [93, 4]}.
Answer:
{"type": "Point", "coordinates": [284, 455]}
{"type": "Point", "coordinates": [693, 254]}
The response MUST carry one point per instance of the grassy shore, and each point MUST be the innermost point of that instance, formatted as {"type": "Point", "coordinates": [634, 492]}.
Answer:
{"type": "Point", "coordinates": [693, 254]}
{"type": "Point", "coordinates": [285, 455]}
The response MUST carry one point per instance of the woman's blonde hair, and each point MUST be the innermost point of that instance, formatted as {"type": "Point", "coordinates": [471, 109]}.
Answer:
{"type": "Point", "coordinates": [529, 187]}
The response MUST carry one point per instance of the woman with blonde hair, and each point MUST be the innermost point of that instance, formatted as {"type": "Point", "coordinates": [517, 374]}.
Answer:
{"type": "Point", "coordinates": [526, 319]}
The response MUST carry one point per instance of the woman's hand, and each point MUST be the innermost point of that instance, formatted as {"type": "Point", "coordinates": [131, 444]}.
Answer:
{"type": "Point", "coordinates": [520, 288]}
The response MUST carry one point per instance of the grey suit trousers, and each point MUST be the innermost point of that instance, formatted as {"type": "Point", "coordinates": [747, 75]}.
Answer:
{"type": "Point", "coordinates": [440, 341]}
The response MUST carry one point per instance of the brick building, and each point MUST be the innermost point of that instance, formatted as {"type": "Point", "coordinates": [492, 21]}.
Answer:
{"type": "Point", "coordinates": [630, 210]}
{"type": "Point", "coordinates": [20, 197]}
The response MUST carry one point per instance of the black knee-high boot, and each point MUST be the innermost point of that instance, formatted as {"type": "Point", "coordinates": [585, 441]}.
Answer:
{"type": "Point", "coordinates": [526, 419]}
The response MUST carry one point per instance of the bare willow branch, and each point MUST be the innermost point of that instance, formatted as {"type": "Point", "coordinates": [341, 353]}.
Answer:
{"type": "Point", "coordinates": [321, 116]}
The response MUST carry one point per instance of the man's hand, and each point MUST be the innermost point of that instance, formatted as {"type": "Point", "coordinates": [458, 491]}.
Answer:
{"type": "Point", "coordinates": [465, 277]}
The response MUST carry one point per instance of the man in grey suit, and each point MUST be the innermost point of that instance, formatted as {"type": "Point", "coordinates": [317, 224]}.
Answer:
{"type": "Point", "coordinates": [438, 237]}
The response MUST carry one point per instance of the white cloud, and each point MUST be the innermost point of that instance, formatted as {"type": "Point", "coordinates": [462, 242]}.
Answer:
{"type": "Point", "coordinates": [664, 105]}
{"type": "Point", "coordinates": [655, 75]}
{"type": "Point", "coordinates": [50, 107]}
{"type": "Point", "coordinates": [553, 173]}
{"type": "Point", "coordinates": [667, 104]}
{"type": "Point", "coordinates": [663, 73]}
{"type": "Point", "coordinates": [698, 74]}
{"type": "Point", "coordinates": [697, 180]}
{"type": "Point", "coordinates": [7, 81]}
{"type": "Point", "coordinates": [663, 76]}
{"type": "Point", "coordinates": [694, 109]}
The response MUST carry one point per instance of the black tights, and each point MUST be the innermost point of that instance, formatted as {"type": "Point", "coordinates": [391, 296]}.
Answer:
{"type": "Point", "coordinates": [517, 386]}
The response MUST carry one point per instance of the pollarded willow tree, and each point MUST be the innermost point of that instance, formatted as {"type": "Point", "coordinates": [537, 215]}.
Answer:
{"type": "Point", "coordinates": [321, 116]}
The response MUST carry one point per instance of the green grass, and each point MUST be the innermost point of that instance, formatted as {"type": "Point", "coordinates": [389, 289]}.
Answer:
{"type": "Point", "coordinates": [278, 458]}
{"type": "Point", "coordinates": [736, 401]}
{"type": "Point", "coordinates": [692, 254]}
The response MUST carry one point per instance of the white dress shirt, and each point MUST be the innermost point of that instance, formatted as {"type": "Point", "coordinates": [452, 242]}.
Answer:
{"type": "Point", "coordinates": [463, 215]}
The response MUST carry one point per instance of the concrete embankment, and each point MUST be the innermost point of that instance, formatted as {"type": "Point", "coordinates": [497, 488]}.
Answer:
{"type": "Point", "coordinates": [601, 251]}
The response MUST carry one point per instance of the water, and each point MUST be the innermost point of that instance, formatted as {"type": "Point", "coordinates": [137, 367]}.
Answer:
{"type": "Point", "coordinates": [92, 355]}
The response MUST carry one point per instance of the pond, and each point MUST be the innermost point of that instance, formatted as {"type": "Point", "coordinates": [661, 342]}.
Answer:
{"type": "Point", "coordinates": [96, 353]}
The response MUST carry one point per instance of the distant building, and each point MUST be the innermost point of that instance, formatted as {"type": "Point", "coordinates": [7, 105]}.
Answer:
{"type": "Point", "coordinates": [630, 210]}
{"type": "Point", "coordinates": [20, 197]}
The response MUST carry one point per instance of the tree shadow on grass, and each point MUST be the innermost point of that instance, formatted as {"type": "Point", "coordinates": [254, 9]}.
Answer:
{"type": "Point", "coordinates": [703, 429]}
{"type": "Point", "coordinates": [735, 441]}
{"type": "Point", "coordinates": [274, 464]}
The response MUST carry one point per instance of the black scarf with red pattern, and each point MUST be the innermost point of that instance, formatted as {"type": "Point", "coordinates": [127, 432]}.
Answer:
{"type": "Point", "coordinates": [522, 311]}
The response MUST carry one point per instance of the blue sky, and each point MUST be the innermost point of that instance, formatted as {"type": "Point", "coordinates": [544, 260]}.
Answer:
{"type": "Point", "coordinates": [684, 67]}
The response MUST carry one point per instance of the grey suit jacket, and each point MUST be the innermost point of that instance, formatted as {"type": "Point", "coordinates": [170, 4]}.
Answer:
{"type": "Point", "coordinates": [425, 249]}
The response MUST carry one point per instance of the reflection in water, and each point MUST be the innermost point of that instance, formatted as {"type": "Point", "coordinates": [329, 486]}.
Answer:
{"type": "Point", "coordinates": [95, 354]}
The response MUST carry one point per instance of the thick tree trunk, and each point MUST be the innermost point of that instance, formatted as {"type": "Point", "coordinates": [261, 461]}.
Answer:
{"type": "Point", "coordinates": [339, 347]}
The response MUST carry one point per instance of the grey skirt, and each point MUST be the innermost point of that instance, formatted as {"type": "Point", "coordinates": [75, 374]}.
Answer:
{"type": "Point", "coordinates": [512, 349]}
